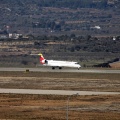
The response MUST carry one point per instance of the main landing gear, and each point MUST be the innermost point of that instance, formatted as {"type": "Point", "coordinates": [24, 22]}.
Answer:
{"type": "Point", "coordinates": [60, 67]}
{"type": "Point", "coordinates": [54, 68]}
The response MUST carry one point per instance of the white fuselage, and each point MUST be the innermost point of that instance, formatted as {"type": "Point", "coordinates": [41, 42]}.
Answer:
{"type": "Point", "coordinates": [55, 63]}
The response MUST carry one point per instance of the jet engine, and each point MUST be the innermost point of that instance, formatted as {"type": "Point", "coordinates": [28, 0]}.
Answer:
{"type": "Point", "coordinates": [46, 62]}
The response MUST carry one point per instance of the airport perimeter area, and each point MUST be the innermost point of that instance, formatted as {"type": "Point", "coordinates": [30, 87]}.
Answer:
{"type": "Point", "coordinates": [60, 107]}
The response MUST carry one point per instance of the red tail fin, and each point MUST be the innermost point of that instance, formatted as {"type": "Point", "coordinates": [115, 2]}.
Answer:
{"type": "Point", "coordinates": [42, 60]}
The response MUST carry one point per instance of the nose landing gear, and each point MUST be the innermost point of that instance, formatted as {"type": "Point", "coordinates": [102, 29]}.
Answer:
{"type": "Point", "coordinates": [60, 67]}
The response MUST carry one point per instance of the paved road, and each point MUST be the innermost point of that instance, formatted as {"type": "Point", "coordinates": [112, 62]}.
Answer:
{"type": "Point", "coordinates": [54, 92]}
{"type": "Point", "coordinates": [48, 69]}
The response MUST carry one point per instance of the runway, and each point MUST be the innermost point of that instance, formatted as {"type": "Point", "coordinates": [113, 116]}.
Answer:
{"type": "Point", "coordinates": [54, 92]}
{"type": "Point", "coordinates": [48, 69]}
{"type": "Point", "coordinates": [57, 92]}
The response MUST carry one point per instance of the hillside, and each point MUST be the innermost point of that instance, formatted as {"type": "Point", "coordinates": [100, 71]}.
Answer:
{"type": "Point", "coordinates": [56, 17]}
{"type": "Point", "coordinates": [87, 50]}
{"type": "Point", "coordinates": [87, 31]}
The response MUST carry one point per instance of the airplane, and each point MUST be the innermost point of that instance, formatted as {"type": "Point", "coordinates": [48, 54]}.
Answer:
{"type": "Point", "coordinates": [59, 64]}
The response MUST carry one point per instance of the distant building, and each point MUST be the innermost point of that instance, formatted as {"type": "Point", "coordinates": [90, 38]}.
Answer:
{"type": "Point", "coordinates": [10, 35]}
{"type": "Point", "coordinates": [111, 1]}
{"type": "Point", "coordinates": [14, 35]}
{"type": "Point", "coordinates": [114, 38]}
{"type": "Point", "coordinates": [3, 36]}
{"type": "Point", "coordinates": [96, 27]}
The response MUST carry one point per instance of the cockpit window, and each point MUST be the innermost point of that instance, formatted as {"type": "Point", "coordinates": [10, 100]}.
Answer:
{"type": "Point", "coordinates": [77, 63]}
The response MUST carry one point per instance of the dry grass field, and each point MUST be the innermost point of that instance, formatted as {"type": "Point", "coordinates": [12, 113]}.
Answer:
{"type": "Point", "coordinates": [53, 107]}
{"type": "Point", "coordinates": [60, 81]}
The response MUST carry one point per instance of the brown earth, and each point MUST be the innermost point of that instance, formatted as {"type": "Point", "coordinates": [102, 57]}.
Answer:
{"type": "Point", "coordinates": [53, 107]}
{"type": "Point", "coordinates": [50, 107]}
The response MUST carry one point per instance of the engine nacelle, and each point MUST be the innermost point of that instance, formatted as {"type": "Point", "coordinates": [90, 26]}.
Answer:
{"type": "Point", "coordinates": [46, 62]}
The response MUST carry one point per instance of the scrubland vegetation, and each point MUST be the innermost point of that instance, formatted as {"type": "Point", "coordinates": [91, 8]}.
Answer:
{"type": "Point", "coordinates": [87, 50]}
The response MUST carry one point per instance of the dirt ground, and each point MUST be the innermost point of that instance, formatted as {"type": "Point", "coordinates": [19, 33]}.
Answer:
{"type": "Point", "coordinates": [53, 107]}
{"type": "Point", "coordinates": [14, 106]}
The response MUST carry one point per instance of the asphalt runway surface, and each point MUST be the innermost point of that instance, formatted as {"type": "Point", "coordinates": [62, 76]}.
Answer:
{"type": "Point", "coordinates": [49, 69]}
{"type": "Point", "coordinates": [54, 92]}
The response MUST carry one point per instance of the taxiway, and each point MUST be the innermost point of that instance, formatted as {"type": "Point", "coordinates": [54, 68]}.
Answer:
{"type": "Point", "coordinates": [54, 92]}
